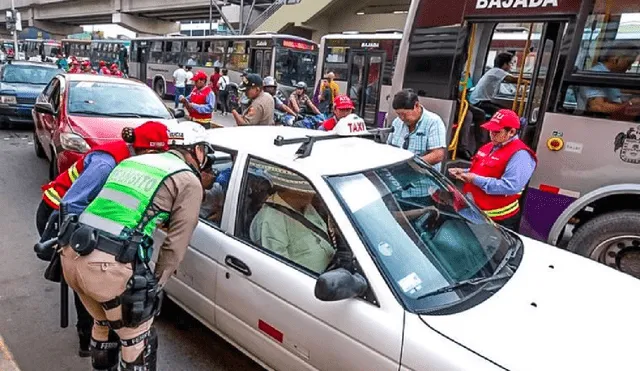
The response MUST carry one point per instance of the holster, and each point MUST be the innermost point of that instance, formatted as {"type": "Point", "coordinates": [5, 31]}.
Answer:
{"type": "Point", "coordinates": [53, 272]}
{"type": "Point", "coordinates": [67, 227]}
{"type": "Point", "coordinates": [141, 300]}
{"type": "Point", "coordinates": [83, 240]}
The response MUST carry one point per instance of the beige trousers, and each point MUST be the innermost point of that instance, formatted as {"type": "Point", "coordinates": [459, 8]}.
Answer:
{"type": "Point", "coordinates": [98, 278]}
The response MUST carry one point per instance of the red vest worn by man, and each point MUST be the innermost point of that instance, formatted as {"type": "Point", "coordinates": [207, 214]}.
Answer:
{"type": "Point", "coordinates": [56, 189]}
{"type": "Point", "coordinates": [493, 165]}
{"type": "Point", "coordinates": [200, 97]}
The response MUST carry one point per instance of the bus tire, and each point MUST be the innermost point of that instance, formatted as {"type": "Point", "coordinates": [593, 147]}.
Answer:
{"type": "Point", "coordinates": [158, 87]}
{"type": "Point", "coordinates": [612, 239]}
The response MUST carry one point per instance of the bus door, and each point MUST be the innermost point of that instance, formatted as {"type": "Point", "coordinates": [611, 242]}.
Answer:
{"type": "Point", "coordinates": [261, 62]}
{"type": "Point", "coordinates": [364, 81]}
{"type": "Point", "coordinates": [535, 47]}
{"type": "Point", "coordinates": [143, 57]}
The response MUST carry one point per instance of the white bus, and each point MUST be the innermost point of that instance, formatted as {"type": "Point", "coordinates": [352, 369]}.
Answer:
{"type": "Point", "coordinates": [289, 59]}
{"type": "Point", "coordinates": [363, 64]}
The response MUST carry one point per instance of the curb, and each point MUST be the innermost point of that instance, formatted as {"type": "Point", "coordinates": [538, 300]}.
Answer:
{"type": "Point", "coordinates": [7, 363]}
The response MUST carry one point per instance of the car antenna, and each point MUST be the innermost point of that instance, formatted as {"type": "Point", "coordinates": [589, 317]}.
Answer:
{"type": "Point", "coordinates": [308, 141]}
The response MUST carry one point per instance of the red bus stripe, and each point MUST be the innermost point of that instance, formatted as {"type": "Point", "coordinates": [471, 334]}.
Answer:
{"type": "Point", "coordinates": [270, 330]}
{"type": "Point", "coordinates": [550, 189]}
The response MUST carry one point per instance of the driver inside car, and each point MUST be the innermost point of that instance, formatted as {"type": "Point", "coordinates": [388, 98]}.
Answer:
{"type": "Point", "coordinates": [289, 225]}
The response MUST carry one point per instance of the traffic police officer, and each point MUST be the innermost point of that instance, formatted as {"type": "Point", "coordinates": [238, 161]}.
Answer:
{"type": "Point", "coordinates": [201, 101]}
{"type": "Point", "coordinates": [106, 252]}
{"type": "Point", "coordinates": [500, 170]}
{"type": "Point", "coordinates": [80, 184]}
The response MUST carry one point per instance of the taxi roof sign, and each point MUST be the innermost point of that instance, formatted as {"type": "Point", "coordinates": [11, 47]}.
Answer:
{"type": "Point", "coordinates": [350, 126]}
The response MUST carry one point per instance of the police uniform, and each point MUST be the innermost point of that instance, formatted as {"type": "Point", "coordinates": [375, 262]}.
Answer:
{"type": "Point", "coordinates": [105, 259]}
{"type": "Point", "coordinates": [262, 108]}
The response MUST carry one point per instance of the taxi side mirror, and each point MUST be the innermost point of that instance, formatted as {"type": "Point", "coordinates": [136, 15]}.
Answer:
{"type": "Point", "coordinates": [339, 284]}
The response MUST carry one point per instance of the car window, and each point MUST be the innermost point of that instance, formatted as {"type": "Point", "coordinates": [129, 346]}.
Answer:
{"type": "Point", "coordinates": [282, 214]}
{"type": "Point", "coordinates": [113, 99]}
{"type": "Point", "coordinates": [46, 93]}
{"type": "Point", "coordinates": [54, 97]}
{"type": "Point", "coordinates": [218, 174]}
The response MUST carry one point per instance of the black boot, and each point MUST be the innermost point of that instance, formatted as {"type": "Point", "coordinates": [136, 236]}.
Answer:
{"type": "Point", "coordinates": [84, 335]}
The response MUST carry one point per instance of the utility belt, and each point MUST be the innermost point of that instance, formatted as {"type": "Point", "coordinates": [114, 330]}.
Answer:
{"type": "Point", "coordinates": [142, 297]}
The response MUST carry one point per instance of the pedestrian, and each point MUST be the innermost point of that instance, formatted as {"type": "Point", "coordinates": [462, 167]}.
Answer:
{"type": "Point", "coordinates": [189, 82]}
{"type": "Point", "coordinates": [75, 66]}
{"type": "Point", "coordinates": [86, 68]}
{"type": "Point", "coordinates": [342, 107]}
{"type": "Point", "coordinates": [213, 83]}
{"type": "Point", "coordinates": [261, 108]}
{"type": "Point", "coordinates": [180, 82]}
{"type": "Point", "coordinates": [333, 85]}
{"type": "Point", "coordinates": [115, 71]}
{"type": "Point", "coordinates": [76, 188]}
{"type": "Point", "coordinates": [103, 68]}
{"type": "Point", "coordinates": [325, 99]}
{"type": "Point", "coordinates": [201, 102]}
{"type": "Point", "coordinates": [418, 130]}
{"type": "Point", "coordinates": [500, 170]}
{"type": "Point", "coordinates": [223, 91]}
{"type": "Point", "coordinates": [62, 62]}
{"type": "Point", "coordinates": [110, 272]}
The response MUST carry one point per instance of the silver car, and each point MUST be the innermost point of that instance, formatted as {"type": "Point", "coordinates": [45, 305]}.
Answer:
{"type": "Point", "coordinates": [345, 254]}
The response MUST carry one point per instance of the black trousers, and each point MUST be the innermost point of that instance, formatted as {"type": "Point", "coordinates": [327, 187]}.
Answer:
{"type": "Point", "coordinates": [223, 95]}
{"type": "Point", "coordinates": [46, 219]}
{"type": "Point", "coordinates": [512, 223]}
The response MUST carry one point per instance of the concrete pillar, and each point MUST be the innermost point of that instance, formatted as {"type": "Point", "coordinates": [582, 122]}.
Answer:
{"type": "Point", "coordinates": [144, 25]}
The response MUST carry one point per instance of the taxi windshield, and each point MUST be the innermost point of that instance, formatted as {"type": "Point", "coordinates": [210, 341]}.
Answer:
{"type": "Point", "coordinates": [424, 234]}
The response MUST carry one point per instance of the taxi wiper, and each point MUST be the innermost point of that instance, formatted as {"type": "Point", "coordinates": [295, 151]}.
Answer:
{"type": "Point", "coordinates": [469, 282]}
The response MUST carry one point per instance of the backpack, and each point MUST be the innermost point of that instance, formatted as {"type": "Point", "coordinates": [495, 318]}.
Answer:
{"type": "Point", "coordinates": [223, 83]}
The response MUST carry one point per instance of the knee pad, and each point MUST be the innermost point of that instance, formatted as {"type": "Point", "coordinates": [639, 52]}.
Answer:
{"type": "Point", "coordinates": [104, 354]}
{"type": "Point", "coordinates": [147, 359]}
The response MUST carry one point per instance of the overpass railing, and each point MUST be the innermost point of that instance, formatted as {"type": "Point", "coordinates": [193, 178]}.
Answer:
{"type": "Point", "coordinates": [271, 10]}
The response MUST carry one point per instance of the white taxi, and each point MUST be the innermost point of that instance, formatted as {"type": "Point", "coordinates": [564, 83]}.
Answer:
{"type": "Point", "coordinates": [321, 252]}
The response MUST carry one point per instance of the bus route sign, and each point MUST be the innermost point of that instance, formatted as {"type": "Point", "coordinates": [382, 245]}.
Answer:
{"type": "Point", "coordinates": [521, 7]}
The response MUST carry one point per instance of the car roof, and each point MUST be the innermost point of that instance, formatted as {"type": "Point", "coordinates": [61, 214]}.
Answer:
{"type": "Point", "coordinates": [328, 157]}
{"type": "Point", "coordinates": [37, 64]}
{"type": "Point", "coordinates": [99, 78]}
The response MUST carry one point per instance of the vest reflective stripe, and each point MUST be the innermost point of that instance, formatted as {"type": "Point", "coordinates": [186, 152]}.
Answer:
{"type": "Point", "coordinates": [202, 121]}
{"type": "Point", "coordinates": [121, 206]}
{"type": "Point", "coordinates": [73, 173]}
{"type": "Point", "coordinates": [53, 196]}
{"type": "Point", "coordinates": [101, 223]}
{"type": "Point", "coordinates": [509, 209]}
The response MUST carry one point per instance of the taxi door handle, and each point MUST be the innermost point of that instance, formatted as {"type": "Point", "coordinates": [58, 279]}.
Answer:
{"type": "Point", "coordinates": [237, 264]}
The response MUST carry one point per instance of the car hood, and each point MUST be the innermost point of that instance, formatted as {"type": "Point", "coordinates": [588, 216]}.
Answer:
{"type": "Point", "coordinates": [559, 311]}
{"type": "Point", "coordinates": [100, 130]}
{"type": "Point", "coordinates": [30, 91]}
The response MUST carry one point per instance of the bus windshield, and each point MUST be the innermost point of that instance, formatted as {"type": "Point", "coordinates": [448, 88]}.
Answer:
{"type": "Point", "coordinates": [293, 66]}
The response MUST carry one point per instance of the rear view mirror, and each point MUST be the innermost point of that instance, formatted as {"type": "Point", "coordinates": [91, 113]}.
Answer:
{"type": "Point", "coordinates": [178, 113]}
{"type": "Point", "coordinates": [44, 107]}
{"type": "Point", "coordinates": [339, 284]}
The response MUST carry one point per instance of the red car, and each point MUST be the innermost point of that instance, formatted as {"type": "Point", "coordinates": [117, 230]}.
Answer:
{"type": "Point", "coordinates": [77, 112]}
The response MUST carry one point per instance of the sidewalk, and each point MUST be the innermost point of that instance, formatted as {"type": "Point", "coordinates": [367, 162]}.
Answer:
{"type": "Point", "coordinates": [7, 363]}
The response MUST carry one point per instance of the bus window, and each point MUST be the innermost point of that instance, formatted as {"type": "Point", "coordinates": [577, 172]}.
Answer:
{"type": "Point", "coordinates": [156, 52]}
{"type": "Point", "coordinates": [172, 52]}
{"type": "Point", "coordinates": [606, 68]}
{"type": "Point", "coordinates": [134, 52]}
{"type": "Point", "coordinates": [336, 62]}
{"type": "Point", "coordinates": [213, 54]}
{"type": "Point", "coordinates": [192, 56]}
{"type": "Point", "coordinates": [239, 60]}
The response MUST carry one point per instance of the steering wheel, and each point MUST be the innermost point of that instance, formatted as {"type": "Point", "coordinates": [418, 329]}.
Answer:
{"type": "Point", "coordinates": [426, 223]}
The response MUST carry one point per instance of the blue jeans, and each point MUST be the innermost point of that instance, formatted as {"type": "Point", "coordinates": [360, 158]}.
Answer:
{"type": "Point", "coordinates": [177, 94]}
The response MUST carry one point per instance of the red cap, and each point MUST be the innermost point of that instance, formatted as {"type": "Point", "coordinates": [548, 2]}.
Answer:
{"type": "Point", "coordinates": [85, 63]}
{"type": "Point", "coordinates": [113, 66]}
{"type": "Point", "coordinates": [75, 62]}
{"type": "Point", "coordinates": [151, 135]}
{"type": "Point", "coordinates": [343, 102]}
{"type": "Point", "coordinates": [200, 75]}
{"type": "Point", "coordinates": [103, 63]}
{"type": "Point", "coordinates": [505, 118]}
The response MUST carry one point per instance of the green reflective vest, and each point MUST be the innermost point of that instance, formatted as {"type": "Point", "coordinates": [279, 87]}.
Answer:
{"type": "Point", "coordinates": [123, 204]}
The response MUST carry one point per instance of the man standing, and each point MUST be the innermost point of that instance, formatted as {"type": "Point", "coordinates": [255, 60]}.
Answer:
{"type": "Point", "coordinates": [189, 83]}
{"type": "Point", "coordinates": [213, 83]}
{"type": "Point", "coordinates": [103, 68]}
{"type": "Point", "coordinates": [201, 101]}
{"type": "Point", "coordinates": [105, 260]}
{"type": "Point", "coordinates": [261, 109]}
{"type": "Point", "coordinates": [342, 107]}
{"type": "Point", "coordinates": [500, 170]}
{"type": "Point", "coordinates": [418, 130]}
{"type": "Point", "coordinates": [179, 81]}
{"type": "Point", "coordinates": [86, 68]}
{"type": "Point", "coordinates": [335, 89]}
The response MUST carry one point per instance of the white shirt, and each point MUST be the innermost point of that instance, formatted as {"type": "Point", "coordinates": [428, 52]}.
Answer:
{"type": "Point", "coordinates": [189, 78]}
{"type": "Point", "coordinates": [488, 86]}
{"type": "Point", "coordinates": [180, 75]}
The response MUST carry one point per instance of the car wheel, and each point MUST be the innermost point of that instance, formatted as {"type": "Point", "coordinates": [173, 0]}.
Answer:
{"type": "Point", "coordinates": [158, 87]}
{"type": "Point", "coordinates": [612, 239]}
{"type": "Point", "coordinates": [37, 146]}
{"type": "Point", "coordinates": [53, 167]}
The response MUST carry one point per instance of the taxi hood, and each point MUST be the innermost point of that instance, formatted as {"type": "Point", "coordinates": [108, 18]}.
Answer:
{"type": "Point", "coordinates": [101, 130]}
{"type": "Point", "coordinates": [559, 311]}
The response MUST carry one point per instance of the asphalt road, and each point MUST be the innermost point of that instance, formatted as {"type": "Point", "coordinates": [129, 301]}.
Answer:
{"type": "Point", "coordinates": [29, 314]}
